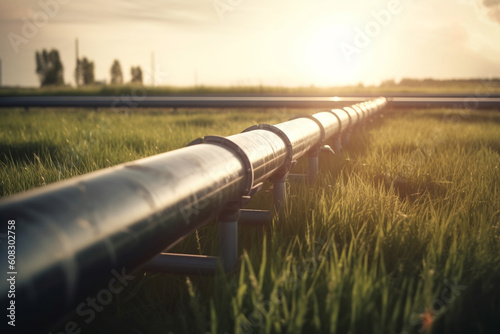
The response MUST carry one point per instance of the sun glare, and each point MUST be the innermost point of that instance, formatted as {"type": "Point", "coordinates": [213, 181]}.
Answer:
{"type": "Point", "coordinates": [323, 58]}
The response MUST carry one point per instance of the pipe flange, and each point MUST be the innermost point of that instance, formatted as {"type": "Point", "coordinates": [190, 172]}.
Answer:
{"type": "Point", "coordinates": [361, 112]}
{"type": "Point", "coordinates": [346, 109]}
{"type": "Point", "coordinates": [338, 119]}
{"type": "Point", "coordinates": [231, 146]}
{"type": "Point", "coordinates": [288, 144]}
{"type": "Point", "coordinates": [361, 109]}
{"type": "Point", "coordinates": [321, 127]}
{"type": "Point", "coordinates": [348, 115]}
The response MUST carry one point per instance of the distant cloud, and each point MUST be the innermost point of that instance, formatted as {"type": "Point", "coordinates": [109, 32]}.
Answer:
{"type": "Point", "coordinates": [493, 9]}
{"type": "Point", "coordinates": [489, 3]}
{"type": "Point", "coordinates": [181, 12]}
{"type": "Point", "coordinates": [175, 11]}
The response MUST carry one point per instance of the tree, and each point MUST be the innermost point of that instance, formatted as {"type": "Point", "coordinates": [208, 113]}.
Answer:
{"type": "Point", "coordinates": [49, 68]}
{"type": "Point", "coordinates": [116, 73]}
{"type": "Point", "coordinates": [136, 74]}
{"type": "Point", "coordinates": [84, 73]}
{"type": "Point", "coordinates": [388, 83]}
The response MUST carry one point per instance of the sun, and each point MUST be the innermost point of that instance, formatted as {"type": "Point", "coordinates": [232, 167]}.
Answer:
{"type": "Point", "coordinates": [322, 57]}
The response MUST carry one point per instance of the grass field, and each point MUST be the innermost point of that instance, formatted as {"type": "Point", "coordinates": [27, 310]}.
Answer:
{"type": "Point", "coordinates": [487, 86]}
{"type": "Point", "coordinates": [399, 234]}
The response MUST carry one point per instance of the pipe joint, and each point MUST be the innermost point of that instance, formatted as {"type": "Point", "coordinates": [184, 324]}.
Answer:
{"type": "Point", "coordinates": [234, 148]}
{"type": "Point", "coordinates": [287, 165]}
{"type": "Point", "coordinates": [320, 125]}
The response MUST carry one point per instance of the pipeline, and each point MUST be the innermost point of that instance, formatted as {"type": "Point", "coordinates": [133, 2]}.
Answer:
{"type": "Point", "coordinates": [74, 237]}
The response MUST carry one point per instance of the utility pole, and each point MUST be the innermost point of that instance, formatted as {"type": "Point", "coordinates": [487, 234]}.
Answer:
{"type": "Point", "coordinates": [0, 72]}
{"type": "Point", "coordinates": [152, 69]}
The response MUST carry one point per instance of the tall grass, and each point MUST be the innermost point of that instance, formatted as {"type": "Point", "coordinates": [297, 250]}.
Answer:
{"type": "Point", "coordinates": [47, 145]}
{"type": "Point", "coordinates": [399, 234]}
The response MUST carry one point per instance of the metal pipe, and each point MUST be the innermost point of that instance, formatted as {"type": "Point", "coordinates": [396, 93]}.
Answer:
{"type": "Point", "coordinates": [73, 235]}
{"type": "Point", "coordinates": [355, 116]}
{"type": "Point", "coordinates": [266, 151]}
{"type": "Point", "coordinates": [369, 107]}
{"type": "Point", "coordinates": [344, 117]}
{"type": "Point", "coordinates": [361, 112]}
{"type": "Point", "coordinates": [137, 99]}
{"type": "Point", "coordinates": [331, 123]}
{"type": "Point", "coordinates": [364, 109]}
{"type": "Point", "coordinates": [303, 133]}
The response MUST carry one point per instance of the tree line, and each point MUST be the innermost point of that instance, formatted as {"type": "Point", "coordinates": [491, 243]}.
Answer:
{"type": "Point", "coordinates": [430, 82]}
{"type": "Point", "coordinates": [50, 70]}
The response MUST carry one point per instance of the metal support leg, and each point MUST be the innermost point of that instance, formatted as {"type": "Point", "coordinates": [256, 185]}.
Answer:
{"type": "Point", "coordinates": [228, 239]}
{"type": "Point", "coordinates": [255, 217]}
{"type": "Point", "coordinates": [313, 164]}
{"type": "Point", "coordinates": [279, 191]}
{"type": "Point", "coordinates": [346, 138]}
{"type": "Point", "coordinates": [337, 144]}
{"type": "Point", "coordinates": [200, 264]}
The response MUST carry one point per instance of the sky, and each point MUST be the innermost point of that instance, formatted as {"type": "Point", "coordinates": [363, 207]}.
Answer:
{"type": "Point", "coordinates": [254, 42]}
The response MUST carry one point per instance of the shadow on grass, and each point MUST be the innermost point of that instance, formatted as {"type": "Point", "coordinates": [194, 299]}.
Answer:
{"type": "Point", "coordinates": [411, 189]}
{"type": "Point", "coordinates": [200, 121]}
{"type": "Point", "coordinates": [495, 147]}
{"type": "Point", "coordinates": [347, 159]}
{"type": "Point", "coordinates": [472, 313]}
{"type": "Point", "coordinates": [26, 152]}
{"type": "Point", "coordinates": [462, 115]}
